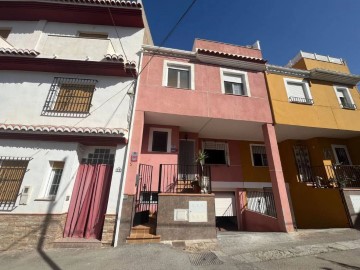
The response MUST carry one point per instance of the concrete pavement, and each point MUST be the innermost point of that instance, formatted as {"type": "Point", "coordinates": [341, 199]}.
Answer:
{"type": "Point", "coordinates": [306, 249]}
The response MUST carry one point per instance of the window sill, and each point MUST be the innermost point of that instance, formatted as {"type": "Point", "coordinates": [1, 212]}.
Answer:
{"type": "Point", "coordinates": [302, 103]}
{"type": "Point", "coordinates": [44, 199]}
{"type": "Point", "coordinates": [349, 108]}
{"type": "Point", "coordinates": [177, 88]}
{"type": "Point", "coordinates": [238, 95]}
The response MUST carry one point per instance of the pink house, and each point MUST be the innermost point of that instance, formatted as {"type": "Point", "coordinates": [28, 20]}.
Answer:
{"type": "Point", "coordinates": [212, 99]}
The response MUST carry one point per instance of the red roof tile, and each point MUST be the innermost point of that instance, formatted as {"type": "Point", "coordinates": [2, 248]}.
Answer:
{"type": "Point", "coordinates": [232, 56]}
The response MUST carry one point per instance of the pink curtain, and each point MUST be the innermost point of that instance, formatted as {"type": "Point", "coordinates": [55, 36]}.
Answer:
{"type": "Point", "coordinates": [89, 201]}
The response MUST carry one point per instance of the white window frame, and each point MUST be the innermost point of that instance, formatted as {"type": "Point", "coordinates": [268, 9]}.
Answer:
{"type": "Point", "coordinates": [306, 89]}
{"type": "Point", "coordinates": [336, 87]}
{"type": "Point", "coordinates": [226, 151]}
{"type": "Point", "coordinates": [182, 66]}
{"type": "Point", "coordinates": [50, 179]}
{"type": "Point", "coordinates": [333, 146]}
{"type": "Point", "coordinates": [151, 136]}
{"type": "Point", "coordinates": [235, 73]}
{"type": "Point", "coordinates": [252, 156]}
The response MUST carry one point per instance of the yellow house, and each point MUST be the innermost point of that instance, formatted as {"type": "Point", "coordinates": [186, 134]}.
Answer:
{"type": "Point", "coordinates": [316, 110]}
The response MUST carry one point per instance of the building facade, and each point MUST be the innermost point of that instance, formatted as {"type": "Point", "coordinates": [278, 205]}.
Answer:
{"type": "Point", "coordinates": [67, 76]}
{"type": "Point", "coordinates": [212, 99]}
{"type": "Point", "coordinates": [315, 106]}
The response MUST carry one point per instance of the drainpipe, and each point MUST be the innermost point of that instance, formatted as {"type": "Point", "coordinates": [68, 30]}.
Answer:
{"type": "Point", "coordinates": [126, 160]}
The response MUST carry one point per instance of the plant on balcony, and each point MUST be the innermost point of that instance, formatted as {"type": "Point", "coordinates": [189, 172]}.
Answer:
{"type": "Point", "coordinates": [204, 180]}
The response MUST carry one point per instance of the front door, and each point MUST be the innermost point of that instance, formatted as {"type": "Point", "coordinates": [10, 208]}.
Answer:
{"type": "Point", "coordinates": [89, 201]}
{"type": "Point", "coordinates": [187, 166]}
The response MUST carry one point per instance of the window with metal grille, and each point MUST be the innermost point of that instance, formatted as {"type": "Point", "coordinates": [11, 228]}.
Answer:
{"type": "Point", "coordinates": [258, 155]}
{"type": "Point", "coordinates": [100, 156]}
{"type": "Point", "coordinates": [216, 152]}
{"type": "Point", "coordinates": [55, 177]}
{"type": "Point", "coordinates": [70, 95]}
{"type": "Point", "coordinates": [12, 171]}
{"type": "Point", "coordinates": [298, 91]}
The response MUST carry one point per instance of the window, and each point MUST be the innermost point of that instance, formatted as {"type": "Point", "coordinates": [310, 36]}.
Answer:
{"type": "Point", "coordinates": [216, 152]}
{"type": "Point", "coordinates": [100, 156]}
{"type": "Point", "coordinates": [12, 171]}
{"type": "Point", "coordinates": [258, 155]}
{"type": "Point", "coordinates": [344, 98]}
{"type": "Point", "coordinates": [178, 75]}
{"type": "Point", "coordinates": [4, 33]}
{"type": "Point", "coordinates": [70, 96]}
{"type": "Point", "coordinates": [160, 140]}
{"type": "Point", "coordinates": [54, 178]}
{"type": "Point", "coordinates": [341, 154]}
{"type": "Point", "coordinates": [93, 35]}
{"type": "Point", "coordinates": [234, 82]}
{"type": "Point", "coordinates": [148, 197]}
{"type": "Point", "coordinates": [298, 91]}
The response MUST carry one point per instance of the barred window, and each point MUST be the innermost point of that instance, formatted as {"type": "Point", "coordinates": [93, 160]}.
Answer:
{"type": "Point", "coordinates": [100, 156]}
{"type": "Point", "coordinates": [12, 171]}
{"type": "Point", "coordinates": [70, 95]}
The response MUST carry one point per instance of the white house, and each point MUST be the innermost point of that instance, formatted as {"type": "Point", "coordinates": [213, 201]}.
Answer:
{"type": "Point", "coordinates": [67, 78]}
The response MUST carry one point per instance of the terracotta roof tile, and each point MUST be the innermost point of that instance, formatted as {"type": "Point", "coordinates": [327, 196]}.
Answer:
{"type": "Point", "coordinates": [233, 56]}
{"type": "Point", "coordinates": [18, 52]}
{"type": "Point", "coordinates": [118, 3]}
{"type": "Point", "coordinates": [63, 129]}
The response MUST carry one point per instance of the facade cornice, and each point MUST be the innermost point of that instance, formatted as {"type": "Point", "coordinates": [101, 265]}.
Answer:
{"type": "Point", "coordinates": [123, 13]}
{"type": "Point", "coordinates": [287, 71]}
{"type": "Point", "coordinates": [107, 67]}
{"type": "Point", "coordinates": [168, 52]}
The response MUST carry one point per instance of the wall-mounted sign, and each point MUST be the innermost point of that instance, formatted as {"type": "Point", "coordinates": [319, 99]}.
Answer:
{"type": "Point", "coordinates": [134, 156]}
{"type": "Point", "coordinates": [198, 211]}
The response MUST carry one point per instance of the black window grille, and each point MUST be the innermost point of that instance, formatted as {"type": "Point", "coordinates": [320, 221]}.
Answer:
{"type": "Point", "coordinates": [69, 96]}
{"type": "Point", "coordinates": [100, 156]}
{"type": "Point", "coordinates": [12, 171]}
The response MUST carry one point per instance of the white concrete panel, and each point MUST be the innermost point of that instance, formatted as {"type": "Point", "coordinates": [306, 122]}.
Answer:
{"type": "Point", "coordinates": [37, 175]}
{"type": "Point", "coordinates": [225, 205]}
{"type": "Point", "coordinates": [23, 95]}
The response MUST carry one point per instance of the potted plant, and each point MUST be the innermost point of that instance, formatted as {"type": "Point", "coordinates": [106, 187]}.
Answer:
{"type": "Point", "coordinates": [204, 180]}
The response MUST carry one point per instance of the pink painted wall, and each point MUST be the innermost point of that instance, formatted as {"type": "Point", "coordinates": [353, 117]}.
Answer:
{"type": "Point", "coordinates": [226, 48]}
{"type": "Point", "coordinates": [255, 222]}
{"type": "Point", "coordinates": [206, 100]}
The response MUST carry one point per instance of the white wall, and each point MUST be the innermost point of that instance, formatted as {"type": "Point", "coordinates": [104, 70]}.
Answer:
{"type": "Point", "coordinates": [38, 170]}
{"type": "Point", "coordinates": [40, 36]}
{"type": "Point", "coordinates": [23, 95]}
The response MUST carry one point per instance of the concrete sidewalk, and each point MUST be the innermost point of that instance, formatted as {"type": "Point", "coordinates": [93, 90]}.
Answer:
{"type": "Point", "coordinates": [305, 249]}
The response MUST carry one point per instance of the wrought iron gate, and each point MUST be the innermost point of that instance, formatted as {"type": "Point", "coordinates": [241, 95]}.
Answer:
{"type": "Point", "coordinates": [146, 199]}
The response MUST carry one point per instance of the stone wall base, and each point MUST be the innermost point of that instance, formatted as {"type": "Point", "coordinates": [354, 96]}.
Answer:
{"type": "Point", "coordinates": [108, 233]}
{"type": "Point", "coordinates": [23, 231]}
{"type": "Point", "coordinates": [125, 220]}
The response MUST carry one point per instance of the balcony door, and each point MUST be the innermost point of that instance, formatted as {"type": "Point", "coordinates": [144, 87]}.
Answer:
{"type": "Point", "coordinates": [341, 154]}
{"type": "Point", "coordinates": [187, 164]}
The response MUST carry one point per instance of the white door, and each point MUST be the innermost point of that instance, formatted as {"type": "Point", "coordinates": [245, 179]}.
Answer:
{"type": "Point", "coordinates": [341, 154]}
{"type": "Point", "coordinates": [225, 204]}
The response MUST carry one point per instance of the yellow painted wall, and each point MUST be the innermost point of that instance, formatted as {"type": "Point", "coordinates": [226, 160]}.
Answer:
{"type": "Point", "coordinates": [324, 113]}
{"type": "Point", "coordinates": [313, 207]}
{"type": "Point", "coordinates": [251, 173]}
{"type": "Point", "coordinates": [309, 64]}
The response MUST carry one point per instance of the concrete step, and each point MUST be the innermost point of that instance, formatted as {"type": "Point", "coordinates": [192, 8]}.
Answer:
{"type": "Point", "coordinates": [143, 229]}
{"type": "Point", "coordinates": [142, 238]}
{"type": "Point", "coordinates": [77, 243]}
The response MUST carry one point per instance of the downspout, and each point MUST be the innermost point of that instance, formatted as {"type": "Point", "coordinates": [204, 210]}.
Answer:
{"type": "Point", "coordinates": [126, 160]}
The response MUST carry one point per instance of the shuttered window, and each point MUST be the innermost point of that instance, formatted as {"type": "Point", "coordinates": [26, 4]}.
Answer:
{"type": "Point", "coordinates": [344, 98]}
{"type": "Point", "coordinates": [11, 176]}
{"type": "Point", "coordinates": [179, 77]}
{"type": "Point", "coordinates": [298, 91]}
{"type": "Point", "coordinates": [234, 82]}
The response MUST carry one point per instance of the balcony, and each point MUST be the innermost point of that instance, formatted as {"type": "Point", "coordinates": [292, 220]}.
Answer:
{"type": "Point", "coordinates": [176, 178]}
{"type": "Point", "coordinates": [331, 176]}
{"type": "Point", "coordinates": [76, 48]}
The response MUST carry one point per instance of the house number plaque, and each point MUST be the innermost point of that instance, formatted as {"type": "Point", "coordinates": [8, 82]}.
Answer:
{"type": "Point", "coordinates": [198, 211]}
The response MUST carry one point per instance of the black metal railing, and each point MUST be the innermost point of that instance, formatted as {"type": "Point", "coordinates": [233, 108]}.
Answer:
{"type": "Point", "coordinates": [176, 178]}
{"type": "Point", "coordinates": [262, 202]}
{"type": "Point", "coordinates": [301, 100]}
{"type": "Point", "coordinates": [332, 176]}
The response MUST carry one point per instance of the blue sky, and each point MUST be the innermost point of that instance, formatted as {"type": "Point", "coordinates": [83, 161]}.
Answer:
{"type": "Point", "coordinates": [284, 27]}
